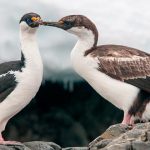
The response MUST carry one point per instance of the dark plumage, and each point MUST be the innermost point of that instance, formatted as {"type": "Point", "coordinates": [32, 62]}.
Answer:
{"type": "Point", "coordinates": [124, 63]}
{"type": "Point", "coordinates": [7, 78]}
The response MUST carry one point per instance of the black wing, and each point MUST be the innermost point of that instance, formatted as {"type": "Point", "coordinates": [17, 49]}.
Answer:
{"type": "Point", "coordinates": [11, 66]}
{"type": "Point", "coordinates": [7, 77]}
{"type": "Point", "coordinates": [7, 85]}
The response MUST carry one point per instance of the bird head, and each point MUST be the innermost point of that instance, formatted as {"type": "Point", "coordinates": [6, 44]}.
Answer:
{"type": "Point", "coordinates": [78, 25]}
{"type": "Point", "coordinates": [30, 21]}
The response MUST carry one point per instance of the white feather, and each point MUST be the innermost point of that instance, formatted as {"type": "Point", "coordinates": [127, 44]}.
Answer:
{"type": "Point", "coordinates": [146, 113]}
{"type": "Point", "coordinates": [29, 80]}
{"type": "Point", "coordinates": [118, 93]}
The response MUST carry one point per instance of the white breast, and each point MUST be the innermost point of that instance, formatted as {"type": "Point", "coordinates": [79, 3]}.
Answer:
{"type": "Point", "coordinates": [29, 81]}
{"type": "Point", "coordinates": [118, 93]}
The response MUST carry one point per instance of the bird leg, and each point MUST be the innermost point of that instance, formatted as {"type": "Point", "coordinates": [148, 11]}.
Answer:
{"type": "Point", "coordinates": [1, 138]}
{"type": "Point", "coordinates": [3, 142]}
{"type": "Point", "coordinates": [126, 119]}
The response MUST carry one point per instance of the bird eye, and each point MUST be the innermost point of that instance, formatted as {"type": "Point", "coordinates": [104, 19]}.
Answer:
{"type": "Point", "coordinates": [68, 23]}
{"type": "Point", "coordinates": [29, 21]}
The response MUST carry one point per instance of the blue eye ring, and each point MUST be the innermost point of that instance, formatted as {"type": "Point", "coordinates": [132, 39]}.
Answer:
{"type": "Point", "coordinates": [28, 20]}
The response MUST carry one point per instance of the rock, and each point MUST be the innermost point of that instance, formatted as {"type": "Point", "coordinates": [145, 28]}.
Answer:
{"type": "Point", "coordinates": [116, 137]}
{"type": "Point", "coordinates": [38, 145]}
{"type": "Point", "coordinates": [138, 145]}
{"type": "Point", "coordinates": [111, 133]}
{"type": "Point", "coordinates": [13, 147]}
{"type": "Point", "coordinates": [120, 137]}
{"type": "Point", "coordinates": [35, 145]}
{"type": "Point", "coordinates": [75, 148]}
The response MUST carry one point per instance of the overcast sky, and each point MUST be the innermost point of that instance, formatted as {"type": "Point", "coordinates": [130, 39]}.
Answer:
{"type": "Point", "coordinates": [122, 22]}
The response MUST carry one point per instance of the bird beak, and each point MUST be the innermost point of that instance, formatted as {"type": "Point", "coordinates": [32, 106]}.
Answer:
{"type": "Point", "coordinates": [37, 20]}
{"type": "Point", "coordinates": [59, 24]}
{"type": "Point", "coordinates": [40, 22]}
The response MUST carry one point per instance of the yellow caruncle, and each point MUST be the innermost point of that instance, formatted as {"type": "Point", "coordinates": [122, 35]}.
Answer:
{"type": "Point", "coordinates": [35, 18]}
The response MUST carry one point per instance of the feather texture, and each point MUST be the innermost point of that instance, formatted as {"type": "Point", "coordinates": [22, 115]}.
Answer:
{"type": "Point", "coordinates": [124, 63]}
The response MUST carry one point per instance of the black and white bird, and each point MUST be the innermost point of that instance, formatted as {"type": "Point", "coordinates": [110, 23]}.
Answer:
{"type": "Point", "coordinates": [118, 73]}
{"type": "Point", "coordinates": [20, 80]}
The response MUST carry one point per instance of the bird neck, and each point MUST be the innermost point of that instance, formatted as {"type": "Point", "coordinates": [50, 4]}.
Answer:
{"type": "Point", "coordinates": [85, 42]}
{"type": "Point", "coordinates": [29, 47]}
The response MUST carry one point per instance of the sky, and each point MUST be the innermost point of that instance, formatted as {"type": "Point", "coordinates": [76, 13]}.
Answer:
{"type": "Point", "coordinates": [122, 22]}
